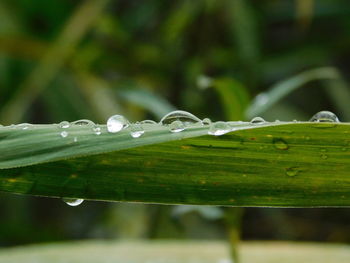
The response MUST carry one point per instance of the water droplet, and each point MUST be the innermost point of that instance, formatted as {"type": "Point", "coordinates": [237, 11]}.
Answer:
{"type": "Point", "coordinates": [176, 126]}
{"type": "Point", "coordinates": [280, 144]}
{"type": "Point", "coordinates": [183, 116]}
{"type": "Point", "coordinates": [148, 122]}
{"type": "Point", "coordinates": [24, 126]}
{"type": "Point", "coordinates": [97, 129]}
{"type": "Point", "coordinates": [257, 120]}
{"type": "Point", "coordinates": [324, 156]}
{"type": "Point", "coordinates": [64, 134]}
{"type": "Point", "coordinates": [72, 201]}
{"type": "Point", "coordinates": [83, 122]}
{"type": "Point", "coordinates": [206, 121]}
{"type": "Point", "coordinates": [324, 116]}
{"type": "Point", "coordinates": [116, 123]}
{"type": "Point", "coordinates": [292, 171]}
{"type": "Point", "coordinates": [136, 130]}
{"type": "Point", "coordinates": [64, 124]}
{"type": "Point", "coordinates": [75, 139]}
{"type": "Point", "coordinates": [219, 128]}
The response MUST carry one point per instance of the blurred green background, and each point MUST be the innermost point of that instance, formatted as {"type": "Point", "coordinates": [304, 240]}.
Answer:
{"type": "Point", "coordinates": [69, 60]}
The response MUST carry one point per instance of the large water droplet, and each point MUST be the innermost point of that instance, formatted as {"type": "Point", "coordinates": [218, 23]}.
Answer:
{"type": "Point", "coordinates": [176, 126]}
{"type": "Point", "coordinates": [64, 134]}
{"type": "Point", "coordinates": [257, 120]}
{"type": "Point", "coordinates": [324, 116]}
{"type": "Point", "coordinates": [64, 124]}
{"type": "Point", "coordinates": [219, 128]}
{"type": "Point", "coordinates": [292, 171]}
{"type": "Point", "coordinates": [136, 130]}
{"type": "Point", "coordinates": [280, 144]}
{"type": "Point", "coordinates": [72, 201]}
{"type": "Point", "coordinates": [183, 116]}
{"type": "Point", "coordinates": [116, 123]}
{"type": "Point", "coordinates": [83, 122]}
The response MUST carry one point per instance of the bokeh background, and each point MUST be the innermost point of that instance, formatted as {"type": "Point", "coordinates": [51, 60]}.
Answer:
{"type": "Point", "coordinates": [69, 60]}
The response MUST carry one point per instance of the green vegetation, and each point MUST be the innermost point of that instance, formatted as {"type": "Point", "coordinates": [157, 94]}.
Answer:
{"type": "Point", "coordinates": [229, 60]}
{"type": "Point", "coordinates": [262, 164]}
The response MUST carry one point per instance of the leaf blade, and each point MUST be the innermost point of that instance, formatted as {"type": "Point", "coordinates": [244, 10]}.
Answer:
{"type": "Point", "coordinates": [244, 168]}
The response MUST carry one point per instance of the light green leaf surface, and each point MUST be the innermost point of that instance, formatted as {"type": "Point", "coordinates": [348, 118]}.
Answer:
{"type": "Point", "coordinates": [175, 252]}
{"type": "Point", "coordinates": [271, 164]}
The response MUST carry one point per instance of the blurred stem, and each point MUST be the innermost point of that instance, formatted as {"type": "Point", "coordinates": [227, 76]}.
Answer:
{"type": "Point", "coordinates": [245, 32]}
{"type": "Point", "coordinates": [52, 61]}
{"type": "Point", "coordinates": [339, 93]}
{"type": "Point", "coordinates": [98, 94]}
{"type": "Point", "coordinates": [233, 219]}
{"type": "Point", "coordinates": [304, 13]}
{"type": "Point", "coordinates": [283, 88]}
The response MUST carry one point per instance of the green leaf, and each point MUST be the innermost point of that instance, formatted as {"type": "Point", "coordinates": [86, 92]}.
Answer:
{"type": "Point", "coordinates": [233, 95]}
{"type": "Point", "coordinates": [269, 164]}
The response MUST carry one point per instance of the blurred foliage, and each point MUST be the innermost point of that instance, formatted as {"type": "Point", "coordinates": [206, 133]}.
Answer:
{"type": "Point", "coordinates": [68, 60]}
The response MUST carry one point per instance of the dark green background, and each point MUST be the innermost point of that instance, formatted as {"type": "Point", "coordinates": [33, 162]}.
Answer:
{"type": "Point", "coordinates": [159, 51]}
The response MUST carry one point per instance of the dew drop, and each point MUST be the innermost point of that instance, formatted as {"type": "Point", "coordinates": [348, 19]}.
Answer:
{"type": "Point", "coordinates": [206, 121]}
{"type": "Point", "coordinates": [72, 201]}
{"type": "Point", "coordinates": [64, 134]}
{"type": "Point", "coordinates": [324, 156]}
{"type": "Point", "coordinates": [64, 124]}
{"type": "Point", "coordinates": [292, 171]}
{"type": "Point", "coordinates": [75, 139]}
{"type": "Point", "coordinates": [83, 122]}
{"type": "Point", "coordinates": [116, 123]}
{"type": "Point", "coordinates": [324, 116]}
{"type": "Point", "coordinates": [257, 120]}
{"type": "Point", "coordinates": [280, 144]}
{"type": "Point", "coordinates": [183, 116]}
{"type": "Point", "coordinates": [219, 128]}
{"type": "Point", "coordinates": [176, 126]}
{"type": "Point", "coordinates": [24, 126]}
{"type": "Point", "coordinates": [148, 122]}
{"type": "Point", "coordinates": [97, 129]}
{"type": "Point", "coordinates": [136, 130]}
